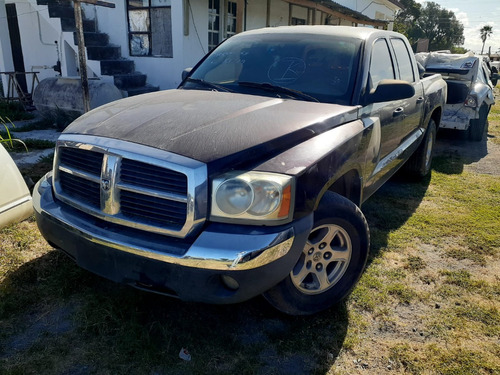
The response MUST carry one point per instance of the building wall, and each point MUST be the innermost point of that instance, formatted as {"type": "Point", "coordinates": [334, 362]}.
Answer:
{"type": "Point", "coordinates": [372, 9]}
{"type": "Point", "coordinates": [187, 50]}
{"type": "Point", "coordinates": [37, 41]}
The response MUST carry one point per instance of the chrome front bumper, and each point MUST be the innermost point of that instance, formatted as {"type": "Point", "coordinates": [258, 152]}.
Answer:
{"type": "Point", "coordinates": [259, 256]}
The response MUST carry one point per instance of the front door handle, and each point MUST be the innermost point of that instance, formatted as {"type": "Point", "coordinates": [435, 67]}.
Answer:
{"type": "Point", "coordinates": [398, 112]}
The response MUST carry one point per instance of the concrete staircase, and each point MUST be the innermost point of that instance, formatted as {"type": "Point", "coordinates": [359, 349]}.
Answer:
{"type": "Point", "coordinates": [99, 49]}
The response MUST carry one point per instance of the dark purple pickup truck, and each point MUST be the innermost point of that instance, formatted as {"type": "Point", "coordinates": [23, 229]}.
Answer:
{"type": "Point", "coordinates": [248, 179]}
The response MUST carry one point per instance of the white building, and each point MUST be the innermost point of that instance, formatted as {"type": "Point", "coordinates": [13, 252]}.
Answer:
{"type": "Point", "coordinates": [153, 40]}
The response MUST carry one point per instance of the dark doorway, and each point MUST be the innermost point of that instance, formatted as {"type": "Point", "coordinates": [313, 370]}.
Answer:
{"type": "Point", "coordinates": [15, 44]}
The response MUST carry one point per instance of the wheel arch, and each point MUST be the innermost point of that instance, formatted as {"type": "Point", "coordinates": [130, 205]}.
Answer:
{"type": "Point", "coordinates": [348, 185]}
{"type": "Point", "coordinates": [436, 115]}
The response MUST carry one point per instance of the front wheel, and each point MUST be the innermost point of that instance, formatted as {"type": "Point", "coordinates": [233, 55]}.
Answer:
{"type": "Point", "coordinates": [331, 261]}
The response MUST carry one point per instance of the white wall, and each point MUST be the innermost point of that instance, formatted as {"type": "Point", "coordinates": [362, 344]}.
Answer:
{"type": "Point", "coordinates": [187, 50]}
{"type": "Point", "coordinates": [369, 8]}
{"type": "Point", "coordinates": [6, 63]}
{"type": "Point", "coordinates": [38, 42]}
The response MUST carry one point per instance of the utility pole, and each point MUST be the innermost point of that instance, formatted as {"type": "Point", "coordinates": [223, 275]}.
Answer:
{"type": "Point", "coordinates": [81, 46]}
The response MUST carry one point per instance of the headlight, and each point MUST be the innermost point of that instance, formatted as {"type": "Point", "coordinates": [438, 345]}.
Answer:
{"type": "Point", "coordinates": [252, 196]}
{"type": "Point", "coordinates": [471, 102]}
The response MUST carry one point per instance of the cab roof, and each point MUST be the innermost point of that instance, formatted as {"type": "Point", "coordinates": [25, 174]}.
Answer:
{"type": "Point", "coordinates": [339, 31]}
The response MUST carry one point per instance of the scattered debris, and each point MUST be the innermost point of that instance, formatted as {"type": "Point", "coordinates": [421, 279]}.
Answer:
{"type": "Point", "coordinates": [184, 354]}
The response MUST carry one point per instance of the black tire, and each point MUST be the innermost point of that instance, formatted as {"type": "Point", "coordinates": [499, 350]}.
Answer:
{"type": "Point", "coordinates": [419, 164]}
{"type": "Point", "coordinates": [335, 252]}
{"type": "Point", "coordinates": [478, 126]}
{"type": "Point", "coordinates": [494, 81]}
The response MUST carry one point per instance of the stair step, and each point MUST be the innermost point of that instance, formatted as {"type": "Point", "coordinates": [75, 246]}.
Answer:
{"type": "Point", "coordinates": [60, 10]}
{"type": "Point", "coordinates": [93, 39]}
{"type": "Point", "coordinates": [112, 67]}
{"type": "Point", "coordinates": [104, 52]}
{"type": "Point", "coordinates": [142, 90]}
{"type": "Point", "coordinates": [69, 24]}
{"type": "Point", "coordinates": [129, 81]}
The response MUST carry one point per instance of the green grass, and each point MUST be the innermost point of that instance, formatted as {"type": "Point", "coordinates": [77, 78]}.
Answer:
{"type": "Point", "coordinates": [14, 111]}
{"type": "Point", "coordinates": [428, 303]}
{"type": "Point", "coordinates": [29, 144]}
{"type": "Point", "coordinates": [494, 120]}
{"type": "Point", "coordinates": [42, 124]}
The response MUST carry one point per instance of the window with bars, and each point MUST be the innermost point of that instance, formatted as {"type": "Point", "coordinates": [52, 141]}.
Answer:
{"type": "Point", "coordinates": [221, 24]}
{"type": "Point", "coordinates": [150, 28]}
{"type": "Point", "coordinates": [298, 21]}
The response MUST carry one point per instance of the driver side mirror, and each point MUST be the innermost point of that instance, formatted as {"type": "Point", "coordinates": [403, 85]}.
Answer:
{"type": "Point", "coordinates": [185, 73]}
{"type": "Point", "coordinates": [390, 89]}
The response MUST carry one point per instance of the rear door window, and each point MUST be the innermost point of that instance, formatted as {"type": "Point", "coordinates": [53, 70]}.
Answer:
{"type": "Point", "coordinates": [403, 60]}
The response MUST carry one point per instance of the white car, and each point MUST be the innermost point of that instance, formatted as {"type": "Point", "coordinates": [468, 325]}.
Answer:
{"type": "Point", "coordinates": [470, 90]}
{"type": "Point", "coordinates": [15, 198]}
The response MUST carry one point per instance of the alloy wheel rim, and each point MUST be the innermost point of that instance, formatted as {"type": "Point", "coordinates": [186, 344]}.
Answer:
{"type": "Point", "coordinates": [324, 260]}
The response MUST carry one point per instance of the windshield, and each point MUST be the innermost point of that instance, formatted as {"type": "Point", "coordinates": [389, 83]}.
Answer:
{"type": "Point", "coordinates": [304, 67]}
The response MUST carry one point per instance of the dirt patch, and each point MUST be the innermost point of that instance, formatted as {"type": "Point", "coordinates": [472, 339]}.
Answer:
{"type": "Point", "coordinates": [478, 157]}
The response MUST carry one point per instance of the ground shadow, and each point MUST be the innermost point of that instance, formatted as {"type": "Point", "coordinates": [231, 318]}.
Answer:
{"type": "Point", "coordinates": [49, 303]}
{"type": "Point", "coordinates": [454, 149]}
{"type": "Point", "coordinates": [391, 206]}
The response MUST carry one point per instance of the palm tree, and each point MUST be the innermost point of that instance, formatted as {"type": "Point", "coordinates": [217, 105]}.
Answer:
{"type": "Point", "coordinates": [485, 33]}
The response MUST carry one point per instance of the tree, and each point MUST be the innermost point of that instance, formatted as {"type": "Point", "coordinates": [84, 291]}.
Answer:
{"type": "Point", "coordinates": [485, 33]}
{"type": "Point", "coordinates": [440, 26]}
{"type": "Point", "coordinates": [407, 16]}
{"type": "Point", "coordinates": [459, 50]}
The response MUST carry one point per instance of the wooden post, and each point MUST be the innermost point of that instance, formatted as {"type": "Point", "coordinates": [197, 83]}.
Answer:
{"type": "Point", "coordinates": [268, 13]}
{"type": "Point", "coordinates": [81, 56]}
{"type": "Point", "coordinates": [185, 9]}
{"type": "Point", "coordinates": [81, 47]}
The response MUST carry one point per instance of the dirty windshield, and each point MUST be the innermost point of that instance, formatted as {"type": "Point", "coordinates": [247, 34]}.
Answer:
{"type": "Point", "coordinates": [292, 66]}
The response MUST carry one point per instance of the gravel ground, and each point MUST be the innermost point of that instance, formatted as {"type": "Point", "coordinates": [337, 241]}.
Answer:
{"type": "Point", "coordinates": [480, 157]}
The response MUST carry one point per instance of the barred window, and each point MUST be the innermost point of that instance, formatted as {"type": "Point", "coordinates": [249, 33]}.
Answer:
{"type": "Point", "coordinates": [150, 28]}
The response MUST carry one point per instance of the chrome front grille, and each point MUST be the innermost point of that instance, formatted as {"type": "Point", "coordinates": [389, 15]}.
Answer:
{"type": "Point", "coordinates": [132, 185]}
{"type": "Point", "coordinates": [80, 189]}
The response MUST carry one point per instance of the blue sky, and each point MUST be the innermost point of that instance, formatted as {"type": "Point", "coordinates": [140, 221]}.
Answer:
{"type": "Point", "coordinates": [474, 14]}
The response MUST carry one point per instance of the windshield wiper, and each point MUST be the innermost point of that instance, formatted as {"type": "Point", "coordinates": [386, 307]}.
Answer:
{"type": "Point", "coordinates": [280, 89]}
{"type": "Point", "coordinates": [208, 84]}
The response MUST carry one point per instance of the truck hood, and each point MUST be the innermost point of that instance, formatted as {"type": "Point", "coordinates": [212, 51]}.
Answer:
{"type": "Point", "coordinates": [209, 125]}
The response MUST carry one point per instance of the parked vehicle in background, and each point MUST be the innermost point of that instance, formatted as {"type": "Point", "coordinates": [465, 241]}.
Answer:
{"type": "Point", "coordinates": [470, 90]}
{"type": "Point", "coordinates": [496, 66]}
{"type": "Point", "coordinates": [15, 198]}
{"type": "Point", "coordinates": [492, 69]}
{"type": "Point", "coordinates": [249, 178]}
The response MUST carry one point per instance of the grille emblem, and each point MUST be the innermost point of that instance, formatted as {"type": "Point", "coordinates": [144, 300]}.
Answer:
{"type": "Point", "coordinates": [105, 184]}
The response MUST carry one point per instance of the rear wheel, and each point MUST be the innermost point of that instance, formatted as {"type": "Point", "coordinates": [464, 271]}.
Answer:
{"type": "Point", "coordinates": [419, 164]}
{"type": "Point", "coordinates": [331, 261]}
{"type": "Point", "coordinates": [478, 126]}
